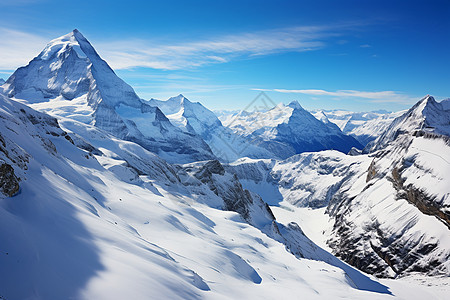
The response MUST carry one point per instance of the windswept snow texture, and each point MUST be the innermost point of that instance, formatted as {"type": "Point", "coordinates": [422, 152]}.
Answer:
{"type": "Point", "coordinates": [286, 130]}
{"type": "Point", "coordinates": [92, 221]}
{"type": "Point", "coordinates": [69, 79]}
{"type": "Point", "coordinates": [196, 119]}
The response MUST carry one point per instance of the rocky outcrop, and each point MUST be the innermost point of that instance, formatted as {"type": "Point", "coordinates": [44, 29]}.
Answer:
{"type": "Point", "coordinates": [425, 203]}
{"type": "Point", "coordinates": [9, 183]}
{"type": "Point", "coordinates": [371, 172]}
{"type": "Point", "coordinates": [227, 187]}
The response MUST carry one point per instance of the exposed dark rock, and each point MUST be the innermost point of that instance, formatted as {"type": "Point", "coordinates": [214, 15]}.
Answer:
{"type": "Point", "coordinates": [382, 253]}
{"type": "Point", "coordinates": [211, 167]}
{"type": "Point", "coordinates": [371, 172]}
{"type": "Point", "coordinates": [9, 183]}
{"type": "Point", "coordinates": [227, 186]}
{"type": "Point", "coordinates": [425, 203]}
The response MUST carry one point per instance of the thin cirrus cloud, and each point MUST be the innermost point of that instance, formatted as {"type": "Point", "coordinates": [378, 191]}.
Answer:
{"type": "Point", "coordinates": [18, 47]}
{"type": "Point", "coordinates": [376, 97]}
{"type": "Point", "coordinates": [138, 53]}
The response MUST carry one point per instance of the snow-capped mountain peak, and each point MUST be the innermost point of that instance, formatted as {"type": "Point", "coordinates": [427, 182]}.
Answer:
{"type": "Point", "coordinates": [295, 105]}
{"type": "Point", "coordinates": [69, 79]}
{"type": "Point", "coordinates": [289, 129]}
{"type": "Point", "coordinates": [69, 67]}
{"type": "Point", "coordinates": [72, 40]}
{"type": "Point", "coordinates": [426, 117]}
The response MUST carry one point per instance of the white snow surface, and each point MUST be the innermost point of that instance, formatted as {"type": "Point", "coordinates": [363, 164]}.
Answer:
{"type": "Point", "coordinates": [99, 215]}
{"type": "Point", "coordinates": [86, 225]}
{"type": "Point", "coordinates": [426, 117]}
{"type": "Point", "coordinates": [369, 205]}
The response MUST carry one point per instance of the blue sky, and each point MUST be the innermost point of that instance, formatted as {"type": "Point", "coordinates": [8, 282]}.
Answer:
{"type": "Point", "coordinates": [355, 55]}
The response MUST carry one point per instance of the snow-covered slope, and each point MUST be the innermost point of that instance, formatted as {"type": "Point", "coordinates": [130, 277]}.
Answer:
{"type": "Point", "coordinates": [427, 117]}
{"type": "Point", "coordinates": [348, 120]}
{"type": "Point", "coordinates": [363, 126]}
{"type": "Point", "coordinates": [371, 129]}
{"type": "Point", "coordinates": [390, 210]}
{"type": "Point", "coordinates": [194, 118]}
{"type": "Point", "coordinates": [96, 217]}
{"type": "Point", "coordinates": [286, 130]}
{"type": "Point", "coordinates": [69, 79]}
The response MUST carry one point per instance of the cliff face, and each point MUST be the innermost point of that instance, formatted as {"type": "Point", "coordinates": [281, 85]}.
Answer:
{"type": "Point", "coordinates": [405, 227]}
{"type": "Point", "coordinates": [227, 187]}
{"type": "Point", "coordinates": [389, 210]}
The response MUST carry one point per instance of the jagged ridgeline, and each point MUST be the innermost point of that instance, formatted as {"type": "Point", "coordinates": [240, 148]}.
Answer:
{"type": "Point", "coordinates": [106, 195]}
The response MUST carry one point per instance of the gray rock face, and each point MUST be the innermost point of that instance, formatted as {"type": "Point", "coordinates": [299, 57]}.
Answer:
{"type": "Point", "coordinates": [227, 186]}
{"type": "Point", "coordinates": [9, 184]}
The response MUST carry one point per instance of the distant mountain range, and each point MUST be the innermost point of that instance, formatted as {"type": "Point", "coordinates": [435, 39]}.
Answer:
{"type": "Point", "coordinates": [105, 195]}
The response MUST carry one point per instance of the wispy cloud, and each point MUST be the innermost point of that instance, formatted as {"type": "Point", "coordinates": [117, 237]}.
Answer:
{"type": "Point", "coordinates": [139, 53]}
{"type": "Point", "coordinates": [376, 97]}
{"type": "Point", "coordinates": [17, 48]}
{"type": "Point", "coordinates": [220, 49]}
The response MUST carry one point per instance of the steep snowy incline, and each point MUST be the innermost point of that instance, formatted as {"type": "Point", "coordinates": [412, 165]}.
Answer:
{"type": "Point", "coordinates": [69, 79]}
{"type": "Point", "coordinates": [194, 118]}
{"type": "Point", "coordinates": [92, 221]}
{"type": "Point", "coordinates": [427, 117]}
{"type": "Point", "coordinates": [373, 128]}
{"type": "Point", "coordinates": [390, 210]}
{"type": "Point", "coordinates": [286, 130]}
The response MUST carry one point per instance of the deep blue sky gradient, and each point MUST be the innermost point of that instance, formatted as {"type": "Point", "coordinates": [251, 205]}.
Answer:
{"type": "Point", "coordinates": [373, 46]}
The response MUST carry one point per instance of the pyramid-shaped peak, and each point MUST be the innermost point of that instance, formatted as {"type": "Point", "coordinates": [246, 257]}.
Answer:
{"type": "Point", "coordinates": [72, 40]}
{"type": "Point", "coordinates": [427, 99]}
{"type": "Point", "coordinates": [180, 98]}
{"type": "Point", "coordinates": [295, 105]}
{"type": "Point", "coordinates": [425, 104]}
{"type": "Point", "coordinates": [74, 37]}
{"type": "Point", "coordinates": [78, 35]}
